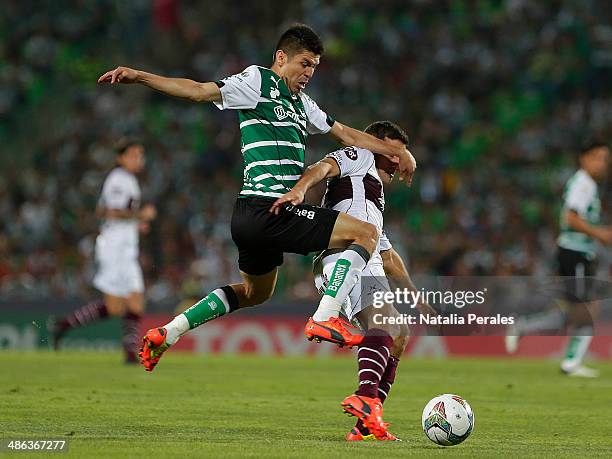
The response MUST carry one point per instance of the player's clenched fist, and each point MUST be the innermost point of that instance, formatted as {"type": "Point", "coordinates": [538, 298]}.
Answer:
{"type": "Point", "coordinates": [407, 166]}
{"type": "Point", "coordinates": [119, 75]}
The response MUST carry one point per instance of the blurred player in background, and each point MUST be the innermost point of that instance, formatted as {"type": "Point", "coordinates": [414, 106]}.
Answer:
{"type": "Point", "coordinates": [579, 230]}
{"type": "Point", "coordinates": [118, 276]}
{"type": "Point", "coordinates": [356, 179]}
{"type": "Point", "coordinates": [275, 119]}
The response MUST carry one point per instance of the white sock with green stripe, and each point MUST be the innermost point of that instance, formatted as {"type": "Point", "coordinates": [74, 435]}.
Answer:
{"type": "Point", "coordinates": [577, 348]}
{"type": "Point", "coordinates": [345, 275]}
{"type": "Point", "coordinates": [217, 303]}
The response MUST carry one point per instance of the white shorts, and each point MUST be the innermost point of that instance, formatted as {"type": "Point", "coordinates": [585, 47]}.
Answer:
{"type": "Point", "coordinates": [118, 273]}
{"type": "Point", "coordinates": [372, 280]}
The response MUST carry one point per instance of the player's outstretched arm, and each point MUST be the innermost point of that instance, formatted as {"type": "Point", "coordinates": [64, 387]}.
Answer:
{"type": "Point", "coordinates": [349, 136]}
{"type": "Point", "coordinates": [602, 233]}
{"type": "Point", "coordinates": [177, 87]}
{"type": "Point", "coordinates": [316, 172]}
{"type": "Point", "coordinates": [395, 269]}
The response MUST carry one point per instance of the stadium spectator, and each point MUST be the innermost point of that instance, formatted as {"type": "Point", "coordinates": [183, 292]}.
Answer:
{"type": "Point", "coordinates": [496, 97]}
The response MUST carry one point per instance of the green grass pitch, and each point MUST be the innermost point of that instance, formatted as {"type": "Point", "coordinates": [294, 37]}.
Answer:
{"type": "Point", "coordinates": [203, 406]}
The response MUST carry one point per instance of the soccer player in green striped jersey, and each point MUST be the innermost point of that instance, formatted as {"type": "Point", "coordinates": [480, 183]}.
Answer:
{"type": "Point", "coordinates": [275, 119]}
{"type": "Point", "coordinates": [579, 230]}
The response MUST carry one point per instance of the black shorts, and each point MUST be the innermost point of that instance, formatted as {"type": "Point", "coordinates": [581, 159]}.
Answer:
{"type": "Point", "coordinates": [262, 237]}
{"type": "Point", "coordinates": [578, 270]}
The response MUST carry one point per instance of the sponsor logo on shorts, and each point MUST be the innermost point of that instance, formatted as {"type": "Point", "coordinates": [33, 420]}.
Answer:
{"type": "Point", "coordinates": [308, 213]}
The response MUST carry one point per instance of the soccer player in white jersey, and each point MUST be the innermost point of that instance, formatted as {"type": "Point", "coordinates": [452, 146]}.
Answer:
{"type": "Point", "coordinates": [275, 119]}
{"type": "Point", "coordinates": [580, 230]}
{"type": "Point", "coordinates": [118, 276]}
{"type": "Point", "coordinates": [355, 185]}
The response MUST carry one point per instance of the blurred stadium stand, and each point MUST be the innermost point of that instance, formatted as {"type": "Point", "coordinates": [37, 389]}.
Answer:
{"type": "Point", "coordinates": [497, 96]}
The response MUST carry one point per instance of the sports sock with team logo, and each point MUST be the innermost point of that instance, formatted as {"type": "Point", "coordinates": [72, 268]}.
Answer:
{"type": "Point", "coordinates": [372, 358]}
{"type": "Point", "coordinates": [217, 303]}
{"type": "Point", "coordinates": [384, 387]}
{"type": "Point", "coordinates": [345, 275]}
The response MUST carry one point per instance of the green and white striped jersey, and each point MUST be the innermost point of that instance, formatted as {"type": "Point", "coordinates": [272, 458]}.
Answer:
{"type": "Point", "coordinates": [581, 196]}
{"type": "Point", "coordinates": [274, 125]}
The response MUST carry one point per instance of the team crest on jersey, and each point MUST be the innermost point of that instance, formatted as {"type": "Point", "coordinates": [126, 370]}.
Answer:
{"type": "Point", "coordinates": [351, 153]}
{"type": "Point", "coordinates": [274, 93]}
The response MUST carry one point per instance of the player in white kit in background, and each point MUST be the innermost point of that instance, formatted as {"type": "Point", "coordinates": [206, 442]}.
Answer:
{"type": "Point", "coordinates": [118, 275]}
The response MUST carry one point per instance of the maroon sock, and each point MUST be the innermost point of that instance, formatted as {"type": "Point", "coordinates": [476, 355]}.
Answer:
{"type": "Point", "coordinates": [131, 336]}
{"type": "Point", "coordinates": [384, 386]}
{"type": "Point", "coordinates": [372, 357]}
{"type": "Point", "coordinates": [85, 314]}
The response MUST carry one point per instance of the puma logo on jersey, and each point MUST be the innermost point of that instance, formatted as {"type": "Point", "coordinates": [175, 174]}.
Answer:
{"type": "Point", "coordinates": [274, 93]}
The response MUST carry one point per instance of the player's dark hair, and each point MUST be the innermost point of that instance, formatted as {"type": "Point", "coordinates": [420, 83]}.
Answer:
{"type": "Point", "coordinates": [591, 145]}
{"type": "Point", "coordinates": [382, 129]}
{"type": "Point", "coordinates": [300, 37]}
{"type": "Point", "coordinates": [125, 143]}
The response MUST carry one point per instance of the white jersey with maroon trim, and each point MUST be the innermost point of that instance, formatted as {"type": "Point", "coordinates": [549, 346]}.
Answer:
{"type": "Point", "coordinates": [358, 190]}
{"type": "Point", "coordinates": [118, 271]}
{"type": "Point", "coordinates": [120, 192]}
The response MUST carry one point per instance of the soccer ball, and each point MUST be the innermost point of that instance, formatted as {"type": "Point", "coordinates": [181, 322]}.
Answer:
{"type": "Point", "coordinates": [447, 420]}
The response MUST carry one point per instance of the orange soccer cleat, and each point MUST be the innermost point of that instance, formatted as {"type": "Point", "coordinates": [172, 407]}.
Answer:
{"type": "Point", "coordinates": [153, 346]}
{"type": "Point", "coordinates": [335, 330]}
{"type": "Point", "coordinates": [370, 411]}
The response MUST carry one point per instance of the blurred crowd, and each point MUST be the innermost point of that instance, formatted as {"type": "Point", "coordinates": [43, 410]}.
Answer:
{"type": "Point", "coordinates": [497, 97]}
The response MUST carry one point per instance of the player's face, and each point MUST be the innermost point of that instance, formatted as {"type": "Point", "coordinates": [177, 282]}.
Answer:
{"type": "Point", "coordinates": [597, 162]}
{"type": "Point", "coordinates": [298, 69]}
{"type": "Point", "coordinates": [133, 159]}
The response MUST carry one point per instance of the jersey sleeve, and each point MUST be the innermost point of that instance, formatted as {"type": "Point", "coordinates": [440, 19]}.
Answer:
{"type": "Point", "coordinates": [352, 161]}
{"type": "Point", "coordinates": [240, 91]}
{"type": "Point", "coordinates": [384, 243]}
{"type": "Point", "coordinates": [117, 193]}
{"type": "Point", "coordinates": [319, 122]}
{"type": "Point", "coordinates": [579, 195]}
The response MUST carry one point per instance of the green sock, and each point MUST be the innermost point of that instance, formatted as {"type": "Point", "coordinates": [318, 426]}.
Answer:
{"type": "Point", "coordinates": [213, 305]}
{"type": "Point", "coordinates": [572, 347]}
